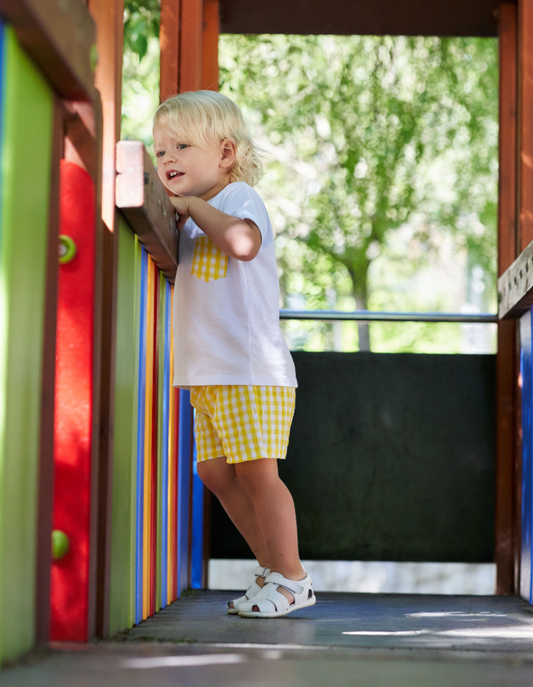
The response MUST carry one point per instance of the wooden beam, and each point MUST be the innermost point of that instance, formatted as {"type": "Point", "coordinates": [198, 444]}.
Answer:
{"type": "Point", "coordinates": [211, 33]}
{"type": "Point", "coordinates": [364, 17]}
{"type": "Point", "coordinates": [515, 286]}
{"type": "Point", "coordinates": [525, 95]}
{"type": "Point", "coordinates": [506, 373]}
{"type": "Point", "coordinates": [60, 37]}
{"type": "Point", "coordinates": [146, 206]}
{"type": "Point", "coordinates": [190, 66]}
{"type": "Point", "coordinates": [108, 15]}
{"type": "Point", "coordinates": [80, 141]}
{"type": "Point", "coordinates": [169, 39]}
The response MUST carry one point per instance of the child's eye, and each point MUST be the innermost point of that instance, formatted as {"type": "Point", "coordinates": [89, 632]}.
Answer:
{"type": "Point", "coordinates": [182, 146]}
{"type": "Point", "coordinates": [160, 153]}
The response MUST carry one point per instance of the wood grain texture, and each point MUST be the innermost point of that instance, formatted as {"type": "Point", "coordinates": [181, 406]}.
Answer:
{"type": "Point", "coordinates": [190, 64]}
{"type": "Point", "coordinates": [515, 286]}
{"type": "Point", "coordinates": [144, 202]}
{"type": "Point", "coordinates": [59, 35]}
{"type": "Point", "coordinates": [506, 540]}
{"type": "Point", "coordinates": [364, 17]}
{"type": "Point", "coordinates": [525, 81]}
{"type": "Point", "coordinates": [108, 15]}
{"type": "Point", "coordinates": [507, 182]}
{"type": "Point", "coordinates": [169, 38]}
{"type": "Point", "coordinates": [211, 32]}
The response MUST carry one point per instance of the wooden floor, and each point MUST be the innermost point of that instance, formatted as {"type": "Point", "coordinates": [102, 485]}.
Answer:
{"type": "Point", "coordinates": [346, 639]}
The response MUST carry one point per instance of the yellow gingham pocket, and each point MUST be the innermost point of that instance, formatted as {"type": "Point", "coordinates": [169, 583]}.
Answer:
{"type": "Point", "coordinates": [209, 262]}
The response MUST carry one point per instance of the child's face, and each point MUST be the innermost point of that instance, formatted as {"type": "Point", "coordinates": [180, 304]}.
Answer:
{"type": "Point", "coordinates": [188, 170]}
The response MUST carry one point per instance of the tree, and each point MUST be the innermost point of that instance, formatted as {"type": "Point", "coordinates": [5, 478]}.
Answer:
{"type": "Point", "coordinates": [375, 117]}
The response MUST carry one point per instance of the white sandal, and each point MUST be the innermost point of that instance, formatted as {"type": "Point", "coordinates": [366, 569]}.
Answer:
{"type": "Point", "coordinates": [272, 604]}
{"type": "Point", "coordinates": [252, 590]}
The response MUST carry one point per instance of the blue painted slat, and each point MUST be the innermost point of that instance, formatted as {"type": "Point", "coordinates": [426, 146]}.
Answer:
{"type": "Point", "coordinates": [526, 371]}
{"type": "Point", "coordinates": [140, 444]}
{"type": "Point", "coordinates": [197, 549]}
{"type": "Point", "coordinates": [184, 475]}
{"type": "Point", "coordinates": [164, 499]}
{"type": "Point", "coordinates": [2, 63]}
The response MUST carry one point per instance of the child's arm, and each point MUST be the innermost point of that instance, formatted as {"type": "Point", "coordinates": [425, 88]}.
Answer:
{"type": "Point", "coordinates": [238, 238]}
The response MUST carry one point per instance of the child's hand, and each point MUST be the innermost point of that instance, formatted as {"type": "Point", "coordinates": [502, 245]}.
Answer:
{"type": "Point", "coordinates": [181, 205]}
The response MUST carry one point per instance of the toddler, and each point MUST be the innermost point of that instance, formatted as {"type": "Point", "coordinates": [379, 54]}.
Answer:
{"type": "Point", "coordinates": [229, 349]}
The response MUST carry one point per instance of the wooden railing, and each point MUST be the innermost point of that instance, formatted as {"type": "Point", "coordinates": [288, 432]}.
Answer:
{"type": "Point", "coordinates": [144, 202]}
{"type": "Point", "coordinates": [515, 286]}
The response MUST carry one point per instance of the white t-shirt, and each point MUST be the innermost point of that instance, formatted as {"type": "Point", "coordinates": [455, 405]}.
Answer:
{"type": "Point", "coordinates": [226, 311]}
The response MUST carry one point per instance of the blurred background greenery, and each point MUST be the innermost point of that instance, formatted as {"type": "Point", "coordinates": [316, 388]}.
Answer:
{"type": "Point", "coordinates": [381, 166]}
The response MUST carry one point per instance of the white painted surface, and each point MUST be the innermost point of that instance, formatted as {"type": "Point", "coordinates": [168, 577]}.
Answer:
{"type": "Point", "coordinates": [377, 577]}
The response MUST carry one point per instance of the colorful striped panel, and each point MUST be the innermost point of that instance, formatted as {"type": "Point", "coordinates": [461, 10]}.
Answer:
{"type": "Point", "coordinates": [160, 449]}
{"type": "Point", "coordinates": [26, 135]}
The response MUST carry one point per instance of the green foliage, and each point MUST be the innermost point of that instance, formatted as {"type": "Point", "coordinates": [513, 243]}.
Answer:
{"type": "Point", "coordinates": [141, 22]}
{"type": "Point", "coordinates": [381, 133]}
{"type": "Point", "coordinates": [381, 163]}
{"type": "Point", "coordinates": [140, 77]}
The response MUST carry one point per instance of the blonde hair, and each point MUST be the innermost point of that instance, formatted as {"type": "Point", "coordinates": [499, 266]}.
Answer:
{"type": "Point", "coordinates": [208, 117]}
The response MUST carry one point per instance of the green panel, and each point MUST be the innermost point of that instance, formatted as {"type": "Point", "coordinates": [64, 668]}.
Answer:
{"type": "Point", "coordinates": [26, 145]}
{"type": "Point", "coordinates": [133, 493]}
{"type": "Point", "coordinates": [125, 428]}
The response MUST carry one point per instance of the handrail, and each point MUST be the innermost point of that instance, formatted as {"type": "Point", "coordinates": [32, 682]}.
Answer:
{"type": "Point", "coordinates": [370, 316]}
{"type": "Point", "coordinates": [60, 37]}
{"type": "Point", "coordinates": [144, 202]}
{"type": "Point", "coordinates": [515, 286]}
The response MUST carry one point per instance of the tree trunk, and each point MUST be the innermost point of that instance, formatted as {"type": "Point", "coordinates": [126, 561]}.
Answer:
{"type": "Point", "coordinates": [362, 327]}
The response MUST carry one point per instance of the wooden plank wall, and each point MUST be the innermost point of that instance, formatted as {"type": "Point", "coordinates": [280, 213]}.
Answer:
{"type": "Point", "coordinates": [108, 15]}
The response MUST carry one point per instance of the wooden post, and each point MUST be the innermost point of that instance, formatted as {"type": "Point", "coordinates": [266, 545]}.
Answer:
{"type": "Point", "coordinates": [183, 27]}
{"type": "Point", "coordinates": [211, 32]}
{"type": "Point", "coordinates": [506, 540]}
{"type": "Point", "coordinates": [108, 80]}
{"type": "Point", "coordinates": [525, 117]}
{"type": "Point", "coordinates": [169, 38]}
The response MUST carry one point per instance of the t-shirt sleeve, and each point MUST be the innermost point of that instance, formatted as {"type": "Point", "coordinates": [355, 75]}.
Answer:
{"type": "Point", "coordinates": [245, 203]}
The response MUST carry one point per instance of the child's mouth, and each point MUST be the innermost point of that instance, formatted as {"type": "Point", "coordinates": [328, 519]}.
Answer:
{"type": "Point", "coordinates": [173, 174]}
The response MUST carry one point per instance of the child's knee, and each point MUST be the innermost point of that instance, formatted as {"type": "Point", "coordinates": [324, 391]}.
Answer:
{"type": "Point", "coordinates": [257, 475]}
{"type": "Point", "coordinates": [217, 475]}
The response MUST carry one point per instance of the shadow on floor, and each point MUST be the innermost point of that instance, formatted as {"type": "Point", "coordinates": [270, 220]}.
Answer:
{"type": "Point", "coordinates": [355, 640]}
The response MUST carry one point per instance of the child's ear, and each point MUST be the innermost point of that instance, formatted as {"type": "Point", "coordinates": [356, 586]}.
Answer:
{"type": "Point", "coordinates": [228, 153]}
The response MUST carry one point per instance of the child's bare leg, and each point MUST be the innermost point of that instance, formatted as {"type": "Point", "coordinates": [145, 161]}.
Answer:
{"type": "Point", "coordinates": [274, 507]}
{"type": "Point", "coordinates": [221, 478]}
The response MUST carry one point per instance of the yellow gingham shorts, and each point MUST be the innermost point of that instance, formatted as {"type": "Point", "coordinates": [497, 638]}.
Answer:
{"type": "Point", "coordinates": [242, 422]}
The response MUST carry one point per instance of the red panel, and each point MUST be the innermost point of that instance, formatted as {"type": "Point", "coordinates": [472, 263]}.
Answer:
{"type": "Point", "coordinates": [174, 458]}
{"type": "Point", "coordinates": [74, 405]}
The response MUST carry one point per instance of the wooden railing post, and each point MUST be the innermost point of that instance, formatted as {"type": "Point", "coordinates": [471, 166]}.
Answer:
{"type": "Point", "coordinates": [506, 520]}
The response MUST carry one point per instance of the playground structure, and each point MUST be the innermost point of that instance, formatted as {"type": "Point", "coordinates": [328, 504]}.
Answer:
{"type": "Point", "coordinates": [94, 441]}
